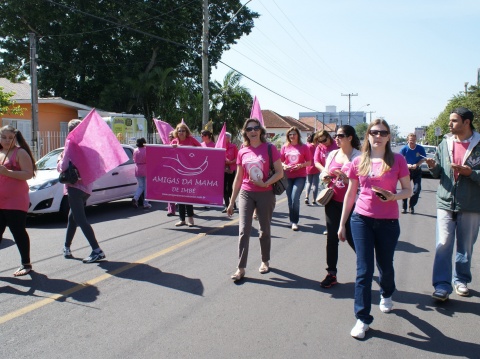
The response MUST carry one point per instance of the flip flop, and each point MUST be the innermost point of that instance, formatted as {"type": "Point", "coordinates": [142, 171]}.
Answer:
{"type": "Point", "coordinates": [264, 268]}
{"type": "Point", "coordinates": [23, 270]}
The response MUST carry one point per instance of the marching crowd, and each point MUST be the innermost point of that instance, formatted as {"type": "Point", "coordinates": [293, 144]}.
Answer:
{"type": "Point", "coordinates": [364, 181]}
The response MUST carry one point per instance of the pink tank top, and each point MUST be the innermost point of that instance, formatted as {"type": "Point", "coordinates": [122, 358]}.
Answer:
{"type": "Point", "coordinates": [13, 192]}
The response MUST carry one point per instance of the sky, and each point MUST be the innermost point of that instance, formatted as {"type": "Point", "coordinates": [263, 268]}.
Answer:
{"type": "Point", "coordinates": [406, 59]}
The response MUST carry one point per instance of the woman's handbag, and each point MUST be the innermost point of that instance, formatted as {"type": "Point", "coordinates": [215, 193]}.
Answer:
{"type": "Point", "coordinates": [281, 185]}
{"type": "Point", "coordinates": [324, 196]}
{"type": "Point", "coordinates": [70, 176]}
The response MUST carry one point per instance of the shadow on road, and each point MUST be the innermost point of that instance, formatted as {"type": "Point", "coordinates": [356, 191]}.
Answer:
{"type": "Point", "coordinates": [433, 340]}
{"type": "Point", "coordinates": [41, 283]}
{"type": "Point", "coordinates": [147, 273]}
{"type": "Point", "coordinates": [410, 248]}
{"type": "Point", "coordinates": [289, 280]}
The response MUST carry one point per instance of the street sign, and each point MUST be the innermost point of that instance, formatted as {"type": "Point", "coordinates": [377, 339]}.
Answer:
{"type": "Point", "coordinates": [438, 131]}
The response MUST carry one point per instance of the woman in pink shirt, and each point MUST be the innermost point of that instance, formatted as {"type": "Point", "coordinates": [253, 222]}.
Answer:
{"type": "Point", "coordinates": [207, 138]}
{"type": "Point", "coordinates": [313, 173]}
{"type": "Point", "coordinates": [374, 222]}
{"type": "Point", "coordinates": [231, 153]}
{"type": "Point", "coordinates": [254, 189]}
{"type": "Point", "coordinates": [295, 157]}
{"type": "Point", "coordinates": [183, 137]}
{"type": "Point", "coordinates": [16, 167]}
{"type": "Point", "coordinates": [140, 159]}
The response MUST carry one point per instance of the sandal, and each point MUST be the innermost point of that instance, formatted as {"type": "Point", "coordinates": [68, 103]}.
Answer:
{"type": "Point", "coordinates": [23, 270]}
{"type": "Point", "coordinates": [264, 268]}
{"type": "Point", "coordinates": [181, 223]}
{"type": "Point", "coordinates": [239, 274]}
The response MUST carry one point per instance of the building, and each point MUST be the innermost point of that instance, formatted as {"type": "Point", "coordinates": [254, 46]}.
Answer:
{"type": "Point", "coordinates": [331, 116]}
{"type": "Point", "coordinates": [278, 125]}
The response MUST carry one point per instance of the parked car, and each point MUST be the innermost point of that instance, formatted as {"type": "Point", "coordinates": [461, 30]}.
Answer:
{"type": "Point", "coordinates": [430, 150]}
{"type": "Point", "coordinates": [46, 193]}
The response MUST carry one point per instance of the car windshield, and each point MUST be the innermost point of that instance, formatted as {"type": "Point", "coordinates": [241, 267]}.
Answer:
{"type": "Point", "coordinates": [49, 161]}
{"type": "Point", "coordinates": [430, 150]}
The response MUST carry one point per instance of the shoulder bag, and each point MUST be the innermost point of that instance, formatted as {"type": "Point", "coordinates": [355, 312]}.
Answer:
{"type": "Point", "coordinates": [70, 176]}
{"type": "Point", "coordinates": [281, 185]}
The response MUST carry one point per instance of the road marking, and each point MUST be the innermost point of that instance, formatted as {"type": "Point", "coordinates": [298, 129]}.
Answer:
{"type": "Point", "coordinates": [55, 297]}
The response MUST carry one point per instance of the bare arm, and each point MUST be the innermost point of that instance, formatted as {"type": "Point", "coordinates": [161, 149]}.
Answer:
{"type": "Point", "coordinates": [26, 167]}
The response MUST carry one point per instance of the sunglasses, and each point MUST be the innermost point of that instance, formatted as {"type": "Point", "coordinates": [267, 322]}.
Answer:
{"type": "Point", "coordinates": [382, 133]}
{"type": "Point", "coordinates": [323, 141]}
{"type": "Point", "coordinates": [250, 129]}
{"type": "Point", "coordinates": [292, 134]}
{"type": "Point", "coordinates": [339, 135]}
{"type": "Point", "coordinates": [181, 130]}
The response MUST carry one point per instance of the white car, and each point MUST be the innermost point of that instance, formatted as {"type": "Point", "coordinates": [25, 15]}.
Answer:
{"type": "Point", "coordinates": [46, 193]}
{"type": "Point", "coordinates": [430, 151]}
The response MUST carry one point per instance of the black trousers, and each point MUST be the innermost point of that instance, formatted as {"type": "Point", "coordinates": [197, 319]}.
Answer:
{"type": "Point", "coordinates": [17, 222]}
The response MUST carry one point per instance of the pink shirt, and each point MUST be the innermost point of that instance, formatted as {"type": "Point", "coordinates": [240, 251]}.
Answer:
{"type": "Point", "coordinates": [321, 153]}
{"type": "Point", "coordinates": [189, 141]}
{"type": "Point", "coordinates": [311, 170]}
{"type": "Point", "coordinates": [255, 164]}
{"type": "Point", "coordinates": [368, 204]}
{"type": "Point", "coordinates": [140, 159]}
{"type": "Point", "coordinates": [231, 154]}
{"type": "Point", "coordinates": [339, 188]}
{"type": "Point", "coordinates": [459, 150]}
{"type": "Point", "coordinates": [293, 155]}
{"type": "Point", "coordinates": [210, 144]}
{"type": "Point", "coordinates": [13, 192]}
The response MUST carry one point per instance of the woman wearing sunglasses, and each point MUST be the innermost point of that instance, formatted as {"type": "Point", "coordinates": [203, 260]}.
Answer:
{"type": "Point", "coordinates": [183, 137]}
{"type": "Point", "coordinates": [334, 176]}
{"type": "Point", "coordinates": [313, 173]}
{"type": "Point", "coordinates": [295, 158]}
{"type": "Point", "coordinates": [374, 222]}
{"type": "Point", "coordinates": [254, 189]}
{"type": "Point", "coordinates": [326, 144]}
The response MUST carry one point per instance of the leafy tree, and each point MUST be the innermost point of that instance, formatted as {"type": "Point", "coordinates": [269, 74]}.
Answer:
{"type": "Point", "coordinates": [361, 129]}
{"type": "Point", "coordinates": [471, 100]}
{"type": "Point", "coordinates": [7, 106]}
{"type": "Point", "coordinates": [123, 55]}
{"type": "Point", "coordinates": [231, 103]}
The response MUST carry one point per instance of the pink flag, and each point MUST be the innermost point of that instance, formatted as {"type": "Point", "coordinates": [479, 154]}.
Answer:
{"type": "Point", "coordinates": [163, 128]}
{"type": "Point", "coordinates": [256, 111]}
{"type": "Point", "coordinates": [93, 148]}
{"type": "Point", "coordinates": [221, 142]}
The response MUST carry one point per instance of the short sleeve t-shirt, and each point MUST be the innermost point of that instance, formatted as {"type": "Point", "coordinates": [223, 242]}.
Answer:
{"type": "Point", "coordinates": [321, 153]}
{"type": "Point", "coordinates": [368, 204]}
{"type": "Point", "coordinates": [413, 155]}
{"type": "Point", "coordinates": [293, 155]}
{"type": "Point", "coordinates": [255, 164]}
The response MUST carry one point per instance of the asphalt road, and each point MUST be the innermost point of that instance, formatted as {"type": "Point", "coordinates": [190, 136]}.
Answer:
{"type": "Point", "coordinates": [165, 292]}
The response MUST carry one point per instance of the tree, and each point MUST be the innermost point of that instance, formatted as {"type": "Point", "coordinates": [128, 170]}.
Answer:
{"type": "Point", "coordinates": [361, 129]}
{"type": "Point", "coordinates": [127, 55]}
{"type": "Point", "coordinates": [231, 103]}
{"type": "Point", "coordinates": [471, 100]}
{"type": "Point", "coordinates": [7, 106]}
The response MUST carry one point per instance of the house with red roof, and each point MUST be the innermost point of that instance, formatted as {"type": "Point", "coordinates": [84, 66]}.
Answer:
{"type": "Point", "coordinates": [278, 125]}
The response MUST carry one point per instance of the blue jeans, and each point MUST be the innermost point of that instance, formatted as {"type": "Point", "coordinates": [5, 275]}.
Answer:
{"type": "Point", "coordinates": [463, 228]}
{"type": "Point", "coordinates": [140, 189]}
{"type": "Point", "coordinates": [312, 182]}
{"type": "Point", "coordinates": [294, 190]}
{"type": "Point", "coordinates": [416, 177]}
{"type": "Point", "coordinates": [374, 239]}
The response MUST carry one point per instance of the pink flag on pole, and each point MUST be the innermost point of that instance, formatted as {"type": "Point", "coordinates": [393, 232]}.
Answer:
{"type": "Point", "coordinates": [93, 148]}
{"type": "Point", "coordinates": [163, 128]}
{"type": "Point", "coordinates": [221, 142]}
{"type": "Point", "coordinates": [256, 111]}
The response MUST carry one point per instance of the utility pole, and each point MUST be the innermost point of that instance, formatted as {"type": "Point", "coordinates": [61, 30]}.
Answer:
{"type": "Point", "coordinates": [370, 112]}
{"type": "Point", "coordinates": [466, 86]}
{"type": "Point", "coordinates": [349, 103]}
{"type": "Point", "coordinates": [205, 75]}
{"type": "Point", "coordinates": [34, 92]}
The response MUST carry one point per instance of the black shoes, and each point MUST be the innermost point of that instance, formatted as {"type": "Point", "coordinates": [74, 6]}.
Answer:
{"type": "Point", "coordinates": [329, 281]}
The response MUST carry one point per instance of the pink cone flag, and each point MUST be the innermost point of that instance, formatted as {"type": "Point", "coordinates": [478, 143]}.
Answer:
{"type": "Point", "coordinates": [221, 142]}
{"type": "Point", "coordinates": [256, 111]}
{"type": "Point", "coordinates": [93, 148]}
{"type": "Point", "coordinates": [163, 128]}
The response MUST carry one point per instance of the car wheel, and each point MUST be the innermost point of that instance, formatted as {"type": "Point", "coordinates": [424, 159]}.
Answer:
{"type": "Point", "coordinates": [64, 207]}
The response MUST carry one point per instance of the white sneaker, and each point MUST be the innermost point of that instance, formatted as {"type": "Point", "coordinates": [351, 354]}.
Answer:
{"type": "Point", "coordinates": [294, 227]}
{"type": "Point", "coordinates": [358, 331]}
{"type": "Point", "coordinates": [386, 304]}
{"type": "Point", "coordinates": [325, 232]}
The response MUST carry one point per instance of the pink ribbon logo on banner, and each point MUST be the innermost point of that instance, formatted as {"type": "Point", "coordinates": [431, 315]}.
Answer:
{"type": "Point", "coordinates": [189, 175]}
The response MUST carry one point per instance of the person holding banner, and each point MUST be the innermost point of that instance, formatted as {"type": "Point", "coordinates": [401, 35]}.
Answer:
{"type": "Point", "coordinates": [230, 170]}
{"type": "Point", "coordinates": [183, 137]}
{"type": "Point", "coordinates": [78, 194]}
{"type": "Point", "coordinates": [207, 138]}
{"type": "Point", "coordinates": [295, 157]}
{"type": "Point", "coordinates": [17, 166]}
{"type": "Point", "coordinates": [170, 205]}
{"type": "Point", "coordinates": [254, 189]}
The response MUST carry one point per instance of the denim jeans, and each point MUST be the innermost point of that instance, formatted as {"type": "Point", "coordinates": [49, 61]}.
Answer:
{"type": "Point", "coordinates": [463, 228]}
{"type": "Point", "coordinates": [374, 239]}
{"type": "Point", "coordinates": [140, 189]}
{"type": "Point", "coordinates": [416, 177]}
{"type": "Point", "coordinates": [312, 182]}
{"type": "Point", "coordinates": [294, 191]}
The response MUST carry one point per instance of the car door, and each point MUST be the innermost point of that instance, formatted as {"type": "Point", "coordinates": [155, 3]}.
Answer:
{"type": "Point", "coordinates": [119, 183]}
